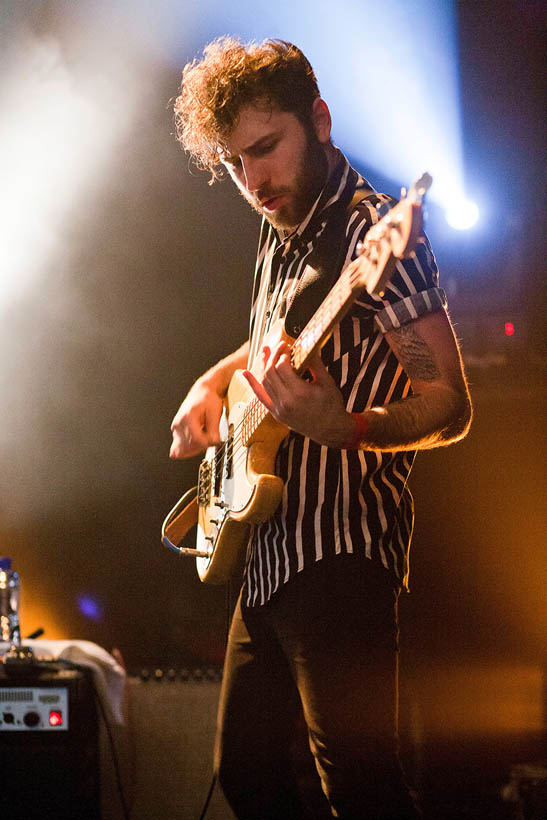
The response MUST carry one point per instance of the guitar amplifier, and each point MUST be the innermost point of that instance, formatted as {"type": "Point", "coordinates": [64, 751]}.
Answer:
{"type": "Point", "coordinates": [49, 743]}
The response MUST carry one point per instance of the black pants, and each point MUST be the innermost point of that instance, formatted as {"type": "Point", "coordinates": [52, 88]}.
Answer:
{"type": "Point", "coordinates": [326, 646]}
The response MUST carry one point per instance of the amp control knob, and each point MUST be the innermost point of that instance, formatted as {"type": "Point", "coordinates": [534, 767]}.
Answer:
{"type": "Point", "coordinates": [31, 719]}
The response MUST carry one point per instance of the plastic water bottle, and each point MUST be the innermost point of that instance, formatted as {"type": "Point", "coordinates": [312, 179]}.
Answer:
{"type": "Point", "coordinates": [10, 587]}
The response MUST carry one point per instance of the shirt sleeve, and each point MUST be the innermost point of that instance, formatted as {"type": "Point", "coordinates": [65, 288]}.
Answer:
{"type": "Point", "coordinates": [407, 309]}
{"type": "Point", "coordinates": [413, 289]}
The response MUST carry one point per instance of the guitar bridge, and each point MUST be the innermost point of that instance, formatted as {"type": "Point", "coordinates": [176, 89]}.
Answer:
{"type": "Point", "coordinates": [204, 483]}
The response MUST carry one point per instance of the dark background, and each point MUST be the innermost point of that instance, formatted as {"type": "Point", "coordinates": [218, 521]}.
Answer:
{"type": "Point", "coordinates": [156, 288]}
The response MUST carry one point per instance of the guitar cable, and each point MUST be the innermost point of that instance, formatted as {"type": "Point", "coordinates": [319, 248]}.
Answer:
{"type": "Point", "coordinates": [208, 798]}
{"type": "Point", "coordinates": [229, 599]}
{"type": "Point", "coordinates": [181, 503]}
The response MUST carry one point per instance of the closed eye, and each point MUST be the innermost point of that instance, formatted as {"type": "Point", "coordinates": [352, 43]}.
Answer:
{"type": "Point", "coordinates": [262, 149]}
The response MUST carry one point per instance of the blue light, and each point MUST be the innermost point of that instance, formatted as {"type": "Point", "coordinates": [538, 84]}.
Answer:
{"type": "Point", "coordinates": [90, 607]}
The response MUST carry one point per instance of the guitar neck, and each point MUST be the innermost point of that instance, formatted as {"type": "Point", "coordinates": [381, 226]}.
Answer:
{"type": "Point", "coordinates": [330, 312]}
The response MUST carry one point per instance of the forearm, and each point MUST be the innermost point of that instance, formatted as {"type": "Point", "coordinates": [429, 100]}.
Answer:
{"type": "Point", "coordinates": [219, 376]}
{"type": "Point", "coordinates": [439, 410]}
{"type": "Point", "coordinates": [434, 418]}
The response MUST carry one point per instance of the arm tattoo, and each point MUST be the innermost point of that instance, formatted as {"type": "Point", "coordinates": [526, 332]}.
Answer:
{"type": "Point", "coordinates": [414, 354]}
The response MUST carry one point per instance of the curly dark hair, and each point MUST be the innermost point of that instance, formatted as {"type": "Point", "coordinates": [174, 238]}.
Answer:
{"type": "Point", "coordinates": [233, 74]}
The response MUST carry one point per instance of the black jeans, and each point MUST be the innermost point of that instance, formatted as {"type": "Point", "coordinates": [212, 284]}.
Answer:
{"type": "Point", "coordinates": [326, 646]}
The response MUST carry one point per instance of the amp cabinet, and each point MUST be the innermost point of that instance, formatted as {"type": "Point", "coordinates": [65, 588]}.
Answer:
{"type": "Point", "coordinates": [49, 743]}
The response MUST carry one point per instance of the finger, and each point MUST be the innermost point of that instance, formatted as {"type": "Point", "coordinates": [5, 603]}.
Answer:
{"type": "Point", "coordinates": [185, 445]}
{"type": "Point", "coordinates": [211, 425]}
{"type": "Point", "coordinates": [182, 449]}
{"type": "Point", "coordinates": [318, 370]}
{"type": "Point", "coordinates": [279, 371]}
{"type": "Point", "coordinates": [193, 435]}
{"type": "Point", "coordinates": [281, 349]}
{"type": "Point", "coordinates": [259, 390]}
{"type": "Point", "coordinates": [191, 430]}
{"type": "Point", "coordinates": [204, 426]}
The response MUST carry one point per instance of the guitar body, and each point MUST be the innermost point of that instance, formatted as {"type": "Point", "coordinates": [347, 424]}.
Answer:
{"type": "Point", "coordinates": [236, 487]}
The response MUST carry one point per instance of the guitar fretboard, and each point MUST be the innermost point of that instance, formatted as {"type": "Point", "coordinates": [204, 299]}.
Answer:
{"type": "Point", "coordinates": [322, 321]}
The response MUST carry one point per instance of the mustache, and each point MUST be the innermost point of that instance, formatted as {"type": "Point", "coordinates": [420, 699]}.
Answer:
{"type": "Point", "coordinates": [269, 193]}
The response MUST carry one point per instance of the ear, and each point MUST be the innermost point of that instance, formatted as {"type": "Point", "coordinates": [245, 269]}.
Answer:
{"type": "Point", "coordinates": [321, 119]}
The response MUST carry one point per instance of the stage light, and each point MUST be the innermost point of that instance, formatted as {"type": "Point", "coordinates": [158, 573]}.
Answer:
{"type": "Point", "coordinates": [462, 215]}
{"type": "Point", "coordinates": [509, 329]}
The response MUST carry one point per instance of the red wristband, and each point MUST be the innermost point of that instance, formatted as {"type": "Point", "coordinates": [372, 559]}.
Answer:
{"type": "Point", "coordinates": [359, 432]}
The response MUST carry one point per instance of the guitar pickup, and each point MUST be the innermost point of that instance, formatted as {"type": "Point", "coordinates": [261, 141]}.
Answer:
{"type": "Point", "coordinates": [218, 463]}
{"type": "Point", "coordinates": [230, 452]}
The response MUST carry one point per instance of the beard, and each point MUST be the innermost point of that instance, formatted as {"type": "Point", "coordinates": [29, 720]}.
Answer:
{"type": "Point", "coordinates": [310, 178]}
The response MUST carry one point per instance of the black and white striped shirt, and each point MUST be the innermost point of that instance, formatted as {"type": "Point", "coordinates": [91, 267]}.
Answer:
{"type": "Point", "coordinates": [339, 501]}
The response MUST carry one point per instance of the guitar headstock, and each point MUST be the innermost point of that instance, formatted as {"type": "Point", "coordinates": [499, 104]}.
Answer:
{"type": "Point", "coordinates": [394, 237]}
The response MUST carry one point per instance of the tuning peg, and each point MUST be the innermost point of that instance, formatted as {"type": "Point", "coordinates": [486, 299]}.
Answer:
{"type": "Point", "coordinates": [403, 193]}
{"type": "Point", "coordinates": [425, 183]}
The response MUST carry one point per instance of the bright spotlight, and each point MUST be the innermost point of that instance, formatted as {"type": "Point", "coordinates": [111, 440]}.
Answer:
{"type": "Point", "coordinates": [462, 215]}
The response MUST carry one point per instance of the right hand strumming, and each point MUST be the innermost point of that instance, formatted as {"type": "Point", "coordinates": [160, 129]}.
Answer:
{"type": "Point", "coordinates": [196, 424]}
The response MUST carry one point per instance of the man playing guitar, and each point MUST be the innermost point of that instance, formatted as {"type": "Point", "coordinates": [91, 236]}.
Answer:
{"type": "Point", "coordinates": [315, 627]}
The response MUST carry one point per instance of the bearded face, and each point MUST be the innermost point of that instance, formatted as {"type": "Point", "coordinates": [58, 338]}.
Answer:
{"type": "Point", "coordinates": [278, 165]}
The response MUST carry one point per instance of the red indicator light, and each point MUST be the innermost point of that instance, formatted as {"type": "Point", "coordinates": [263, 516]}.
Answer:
{"type": "Point", "coordinates": [509, 329]}
{"type": "Point", "coordinates": [55, 718]}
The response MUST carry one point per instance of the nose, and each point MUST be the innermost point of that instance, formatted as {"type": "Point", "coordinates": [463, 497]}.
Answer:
{"type": "Point", "coordinates": [254, 173]}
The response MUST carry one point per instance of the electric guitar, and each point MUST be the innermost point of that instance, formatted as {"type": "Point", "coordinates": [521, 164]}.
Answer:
{"type": "Point", "coordinates": [237, 486]}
